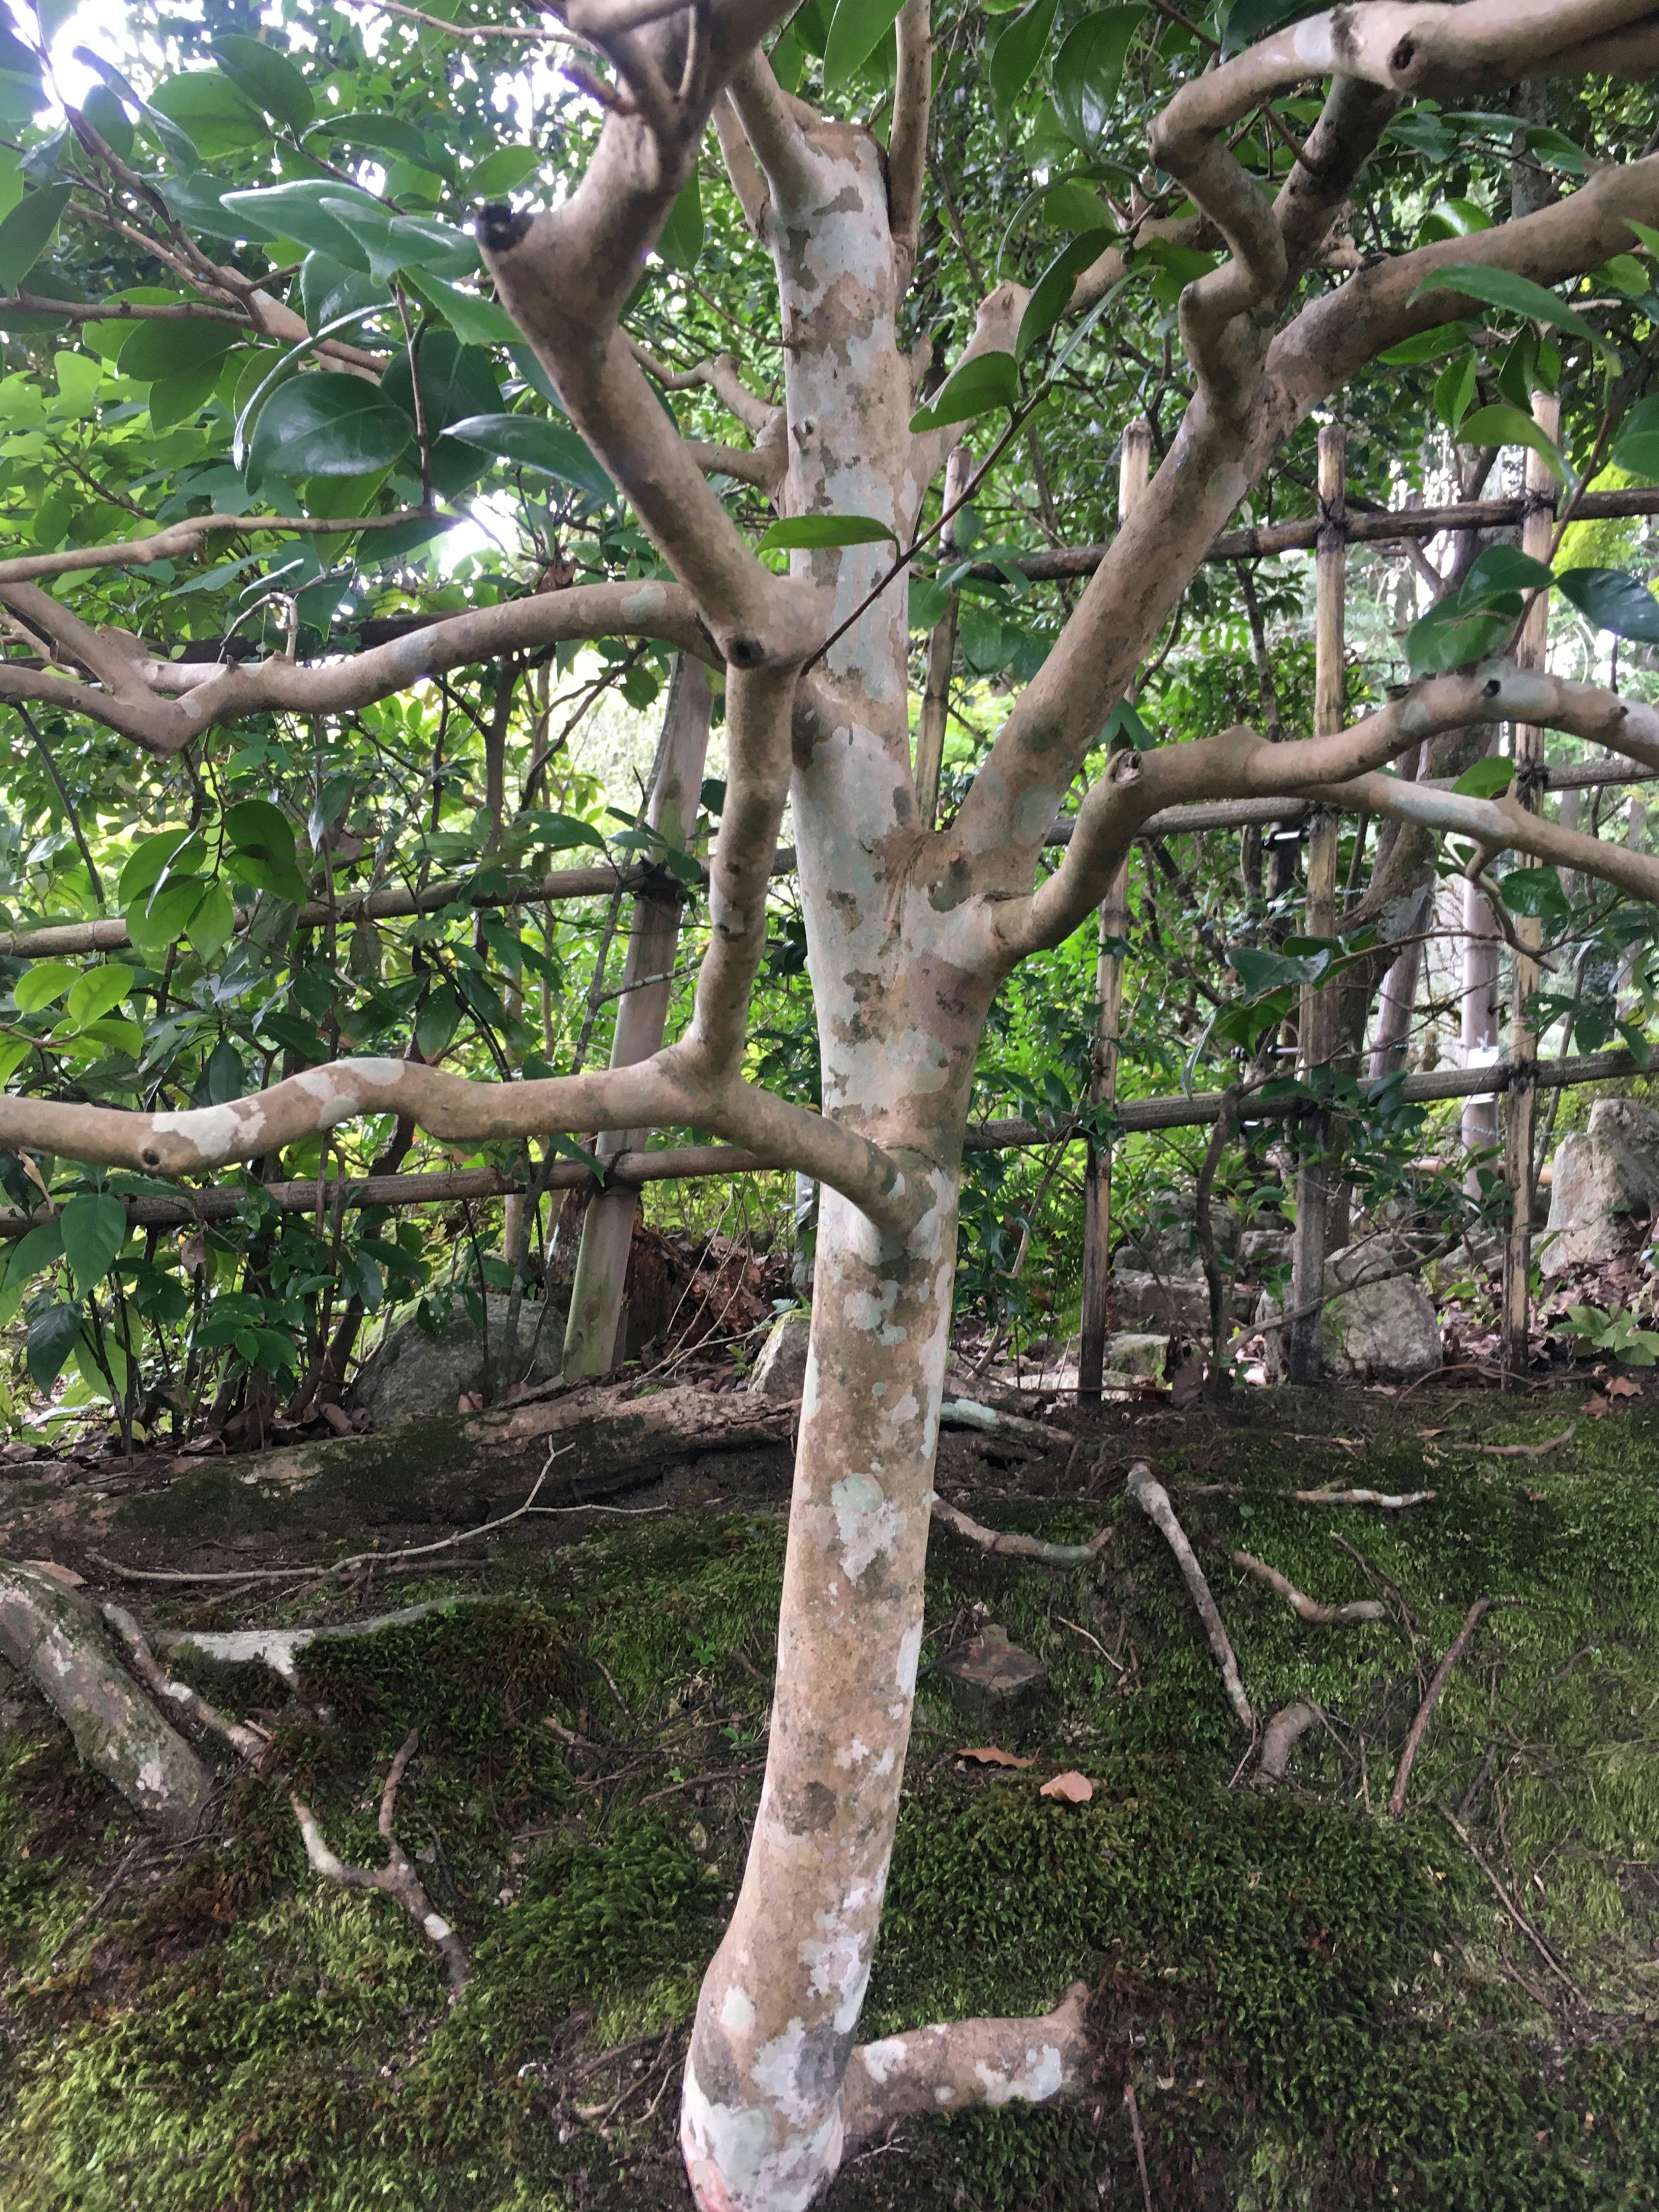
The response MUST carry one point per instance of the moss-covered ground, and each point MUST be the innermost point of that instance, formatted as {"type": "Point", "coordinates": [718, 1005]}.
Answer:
{"type": "Point", "coordinates": [1316, 2007]}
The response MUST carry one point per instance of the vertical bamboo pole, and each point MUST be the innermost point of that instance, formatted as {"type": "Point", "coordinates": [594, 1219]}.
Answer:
{"type": "Point", "coordinates": [1133, 473]}
{"type": "Point", "coordinates": [1521, 1103]}
{"type": "Point", "coordinates": [596, 1294]}
{"type": "Point", "coordinates": [1313, 1183]}
{"type": "Point", "coordinates": [941, 656]}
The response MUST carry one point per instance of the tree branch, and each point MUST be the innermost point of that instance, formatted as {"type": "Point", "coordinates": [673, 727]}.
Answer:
{"type": "Point", "coordinates": [907, 140]}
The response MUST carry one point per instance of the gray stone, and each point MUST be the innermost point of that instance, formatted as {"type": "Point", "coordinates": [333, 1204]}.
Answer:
{"type": "Point", "coordinates": [1605, 1186]}
{"type": "Point", "coordinates": [1375, 1326]}
{"type": "Point", "coordinates": [1168, 1245]}
{"type": "Point", "coordinates": [780, 1370]}
{"type": "Point", "coordinates": [411, 1375]}
{"type": "Point", "coordinates": [1140, 1356]}
{"type": "Point", "coordinates": [1146, 1303]}
{"type": "Point", "coordinates": [1261, 1248]}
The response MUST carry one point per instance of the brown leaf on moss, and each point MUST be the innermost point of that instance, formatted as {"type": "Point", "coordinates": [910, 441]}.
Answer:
{"type": "Point", "coordinates": [1072, 1787]}
{"type": "Point", "coordinates": [991, 1755]}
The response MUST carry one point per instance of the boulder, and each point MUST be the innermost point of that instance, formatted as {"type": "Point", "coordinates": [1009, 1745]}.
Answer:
{"type": "Point", "coordinates": [1376, 1325]}
{"type": "Point", "coordinates": [1141, 1356]}
{"type": "Point", "coordinates": [1168, 1304]}
{"type": "Point", "coordinates": [1605, 1186]}
{"type": "Point", "coordinates": [780, 1370]}
{"type": "Point", "coordinates": [1166, 1243]}
{"type": "Point", "coordinates": [411, 1374]}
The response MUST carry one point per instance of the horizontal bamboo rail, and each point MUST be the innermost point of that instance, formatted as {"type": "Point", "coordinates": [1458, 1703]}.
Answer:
{"type": "Point", "coordinates": [1360, 527]}
{"type": "Point", "coordinates": [688, 1162]}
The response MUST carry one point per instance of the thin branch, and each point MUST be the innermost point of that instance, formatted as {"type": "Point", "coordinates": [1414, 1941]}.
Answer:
{"type": "Point", "coordinates": [1357, 1609]}
{"type": "Point", "coordinates": [1008, 1545]}
{"type": "Point", "coordinates": [1150, 1495]}
{"type": "Point", "coordinates": [1431, 1698]}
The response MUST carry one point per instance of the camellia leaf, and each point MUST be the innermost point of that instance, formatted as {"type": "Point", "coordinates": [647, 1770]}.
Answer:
{"type": "Point", "coordinates": [383, 134]}
{"type": "Point", "coordinates": [531, 441]}
{"type": "Point", "coordinates": [159, 350]}
{"type": "Point", "coordinates": [1613, 599]}
{"type": "Point", "coordinates": [1516, 295]}
{"type": "Point", "coordinates": [1508, 426]}
{"type": "Point", "coordinates": [43, 984]}
{"type": "Point", "coordinates": [856, 28]}
{"type": "Point", "coordinates": [96, 992]}
{"type": "Point", "coordinates": [814, 533]}
{"type": "Point", "coordinates": [397, 241]}
{"type": "Point", "coordinates": [681, 240]}
{"type": "Point", "coordinates": [42, 1248]}
{"type": "Point", "coordinates": [266, 77]}
{"type": "Point", "coordinates": [1500, 574]}
{"type": "Point", "coordinates": [475, 320]}
{"type": "Point", "coordinates": [50, 1341]}
{"type": "Point", "coordinates": [1087, 73]}
{"type": "Point", "coordinates": [1451, 636]}
{"type": "Point", "coordinates": [295, 210]}
{"type": "Point", "coordinates": [1052, 293]}
{"type": "Point", "coordinates": [499, 172]}
{"type": "Point", "coordinates": [325, 424]}
{"type": "Point", "coordinates": [1427, 345]}
{"type": "Point", "coordinates": [984, 381]}
{"type": "Point", "coordinates": [94, 1226]}
{"type": "Point", "coordinates": [1487, 778]}
{"type": "Point", "coordinates": [1250, 20]}
{"type": "Point", "coordinates": [27, 232]}
{"type": "Point", "coordinates": [1017, 51]}
{"type": "Point", "coordinates": [457, 381]}
{"type": "Point", "coordinates": [1453, 391]}
{"type": "Point", "coordinates": [212, 112]}
{"type": "Point", "coordinates": [262, 839]}
{"type": "Point", "coordinates": [929, 603]}
{"type": "Point", "coordinates": [329, 290]}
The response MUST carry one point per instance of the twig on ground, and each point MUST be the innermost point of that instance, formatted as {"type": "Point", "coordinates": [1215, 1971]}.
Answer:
{"type": "Point", "coordinates": [1153, 1500]}
{"type": "Point", "coordinates": [1362, 1498]}
{"type": "Point", "coordinates": [397, 1878]}
{"type": "Point", "coordinates": [1431, 1698]}
{"type": "Point", "coordinates": [1089, 1637]}
{"type": "Point", "coordinates": [1359, 1608]}
{"type": "Point", "coordinates": [1281, 1737]}
{"type": "Point", "coordinates": [1374, 1575]}
{"type": "Point", "coordinates": [1015, 1547]}
{"type": "Point", "coordinates": [696, 1781]}
{"type": "Point", "coordinates": [1514, 1910]}
{"type": "Point", "coordinates": [1518, 1451]}
{"type": "Point", "coordinates": [1139, 2142]}
{"type": "Point", "coordinates": [969, 1413]}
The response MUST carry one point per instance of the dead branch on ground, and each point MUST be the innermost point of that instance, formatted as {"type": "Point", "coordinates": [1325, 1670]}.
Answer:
{"type": "Point", "coordinates": [1362, 1498]}
{"type": "Point", "coordinates": [1357, 1609]}
{"type": "Point", "coordinates": [1281, 1737]}
{"type": "Point", "coordinates": [1009, 1546]}
{"type": "Point", "coordinates": [1150, 1495]}
{"type": "Point", "coordinates": [397, 1878]}
{"type": "Point", "coordinates": [1431, 1698]}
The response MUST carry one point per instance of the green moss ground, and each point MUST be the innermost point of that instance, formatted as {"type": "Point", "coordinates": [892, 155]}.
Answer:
{"type": "Point", "coordinates": [1317, 2008]}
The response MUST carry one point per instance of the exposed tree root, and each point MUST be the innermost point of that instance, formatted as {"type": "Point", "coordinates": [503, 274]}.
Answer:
{"type": "Point", "coordinates": [969, 1413]}
{"type": "Point", "coordinates": [242, 1736]}
{"type": "Point", "coordinates": [1519, 1451]}
{"type": "Point", "coordinates": [1153, 1500]}
{"type": "Point", "coordinates": [967, 2062]}
{"type": "Point", "coordinates": [1363, 1497]}
{"type": "Point", "coordinates": [1280, 1738]}
{"type": "Point", "coordinates": [54, 1635]}
{"type": "Point", "coordinates": [1431, 1698]}
{"type": "Point", "coordinates": [1014, 1547]}
{"type": "Point", "coordinates": [278, 1648]}
{"type": "Point", "coordinates": [1359, 1608]}
{"type": "Point", "coordinates": [398, 1877]}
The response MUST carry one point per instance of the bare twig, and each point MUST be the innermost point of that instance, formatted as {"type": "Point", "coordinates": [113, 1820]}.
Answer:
{"type": "Point", "coordinates": [1361, 1608]}
{"type": "Point", "coordinates": [1139, 2142]}
{"type": "Point", "coordinates": [397, 1878]}
{"type": "Point", "coordinates": [1513, 1909]}
{"type": "Point", "coordinates": [1362, 1498]}
{"type": "Point", "coordinates": [1431, 1698]}
{"type": "Point", "coordinates": [1015, 1547]}
{"type": "Point", "coordinates": [1153, 1500]}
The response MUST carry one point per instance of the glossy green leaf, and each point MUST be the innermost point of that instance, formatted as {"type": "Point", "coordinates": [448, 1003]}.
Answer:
{"type": "Point", "coordinates": [40, 1248]}
{"type": "Point", "coordinates": [455, 382]}
{"type": "Point", "coordinates": [329, 290]}
{"type": "Point", "coordinates": [159, 348]}
{"type": "Point", "coordinates": [681, 241]}
{"type": "Point", "coordinates": [27, 232]}
{"type": "Point", "coordinates": [1508, 426]}
{"type": "Point", "coordinates": [381, 134]}
{"type": "Point", "coordinates": [262, 839]}
{"type": "Point", "coordinates": [814, 533]}
{"type": "Point", "coordinates": [500, 173]}
{"type": "Point", "coordinates": [1487, 777]}
{"type": "Point", "coordinates": [1453, 391]}
{"type": "Point", "coordinates": [1615, 600]}
{"type": "Point", "coordinates": [1535, 892]}
{"type": "Point", "coordinates": [856, 28]}
{"type": "Point", "coordinates": [94, 1226]}
{"type": "Point", "coordinates": [1450, 636]}
{"type": "Point", "coordinates": [266, 77]}
{"type": "Point", "coordinates": [476, 320]}
{"type": "Point", "coordinates": [50, 1341]}
{"type": "Point", "coordinates": [929, 603]}
{"type": "Point", "coordinates": [392, 242]}
{"type": "Point", "coordinates": [1502, 573]}
{"type": "Point", "coordinates": [1018, 48]}
{"type": "Point", "coordinates": [212, 112]}
{"type": "Point", "coordinates": [985, 381]}
{"type": "Point", "coordinates": [165, 852]}
{"type": "Point", "coordinates": [212, 923]}
{"type": "Point", "coordinates": [437, 1021]}
{"type": "Point", "coordinates": [1088, 72]}
{"type": "Point", "coordinates": [1427, 345]}
{"type": "Point", "coordinates": [97, 992]}
{"type": "Point", "coordinates": [325, 424]}
{"type": "Point", "coordinates": [1052, 293]}
{"type": "Point", "coordinates": [198, 201]}
{"type": "Point", "coordinates": [43, 984]}
{"type": "Point", "coordinates": [108, 117]}
{"type": "Point", "coordinates": [531, 441]}
{"type": "Point", "coordinates": [1249, 20]}
{"type": "Point", "coordinates": [295, 210]}
{"type": "Point", "coordinates": [1516, 295]}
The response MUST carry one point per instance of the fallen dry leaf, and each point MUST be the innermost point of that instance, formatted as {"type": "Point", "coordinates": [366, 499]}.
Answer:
{"type": "Point", "coordinates": [1430, 1432]}
{"type": "Point", "coordinates": [1074, 1787]}
{"type": "Point", "coordinates": [1596, 1408]}
{"type": "Point", "coordinates": [1622, 1387]}
{"type": "Point", "coordinates": [991, 1755]}
{"type": "Point", "coordinates": [67, 1576]}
